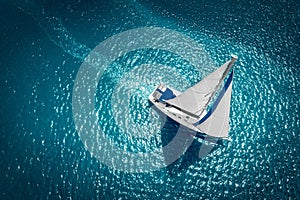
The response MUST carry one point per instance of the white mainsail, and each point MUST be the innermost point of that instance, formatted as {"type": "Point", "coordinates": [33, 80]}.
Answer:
{"type": "Point", "coordinates": [216, 122]}
{"type": "Point", "coordinates": [196, 99]}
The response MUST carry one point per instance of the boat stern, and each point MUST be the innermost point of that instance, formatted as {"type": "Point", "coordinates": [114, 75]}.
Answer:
{"type": "Point", "coordinates": [161, 94]}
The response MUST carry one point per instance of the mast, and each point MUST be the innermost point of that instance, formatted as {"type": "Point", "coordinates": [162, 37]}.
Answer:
{"type": "Point", "coordinates": [230, 64]}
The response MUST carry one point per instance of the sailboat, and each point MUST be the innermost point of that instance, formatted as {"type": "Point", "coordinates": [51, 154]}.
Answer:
{"type": "Point", "coordinates": [204, 107]}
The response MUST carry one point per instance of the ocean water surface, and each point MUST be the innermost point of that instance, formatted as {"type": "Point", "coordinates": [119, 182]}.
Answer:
{"type": "Point", "coordinates": [44, 43]}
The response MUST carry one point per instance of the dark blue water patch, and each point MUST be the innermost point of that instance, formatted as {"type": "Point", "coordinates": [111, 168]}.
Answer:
{"type": "Point", "coordinates": [250, 21]}
{"type": "Point", "coordinates": [136, 105]}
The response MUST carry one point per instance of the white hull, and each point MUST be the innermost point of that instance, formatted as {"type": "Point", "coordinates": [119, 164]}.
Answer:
{"type": "Point", "coordinates": [174, 113]}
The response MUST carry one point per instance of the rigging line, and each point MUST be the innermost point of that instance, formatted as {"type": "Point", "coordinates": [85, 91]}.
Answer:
{"type": "Point", "coordinates": [230, 64]}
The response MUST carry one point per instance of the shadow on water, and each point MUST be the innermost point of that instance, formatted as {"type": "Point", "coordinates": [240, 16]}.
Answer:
{"type": "Point", "coordinates": [184, 147]}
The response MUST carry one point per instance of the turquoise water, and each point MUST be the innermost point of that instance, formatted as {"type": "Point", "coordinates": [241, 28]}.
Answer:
{"type": "Point", "coordinates": [43, 46]}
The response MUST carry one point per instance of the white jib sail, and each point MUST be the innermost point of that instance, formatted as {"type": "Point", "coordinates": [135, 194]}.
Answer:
{"type": "Point", "coordinates": [196, 98]}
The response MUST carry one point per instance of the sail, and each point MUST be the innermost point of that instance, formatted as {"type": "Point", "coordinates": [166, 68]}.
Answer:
{"type": "Point", "coordinates": [195, 99]}
{"type": "Point", "coordinates": [216, 122]}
